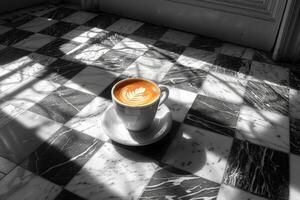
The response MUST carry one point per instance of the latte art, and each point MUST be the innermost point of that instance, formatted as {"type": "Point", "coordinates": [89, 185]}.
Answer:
{"type": "Point", "coordinates": [137, 92]}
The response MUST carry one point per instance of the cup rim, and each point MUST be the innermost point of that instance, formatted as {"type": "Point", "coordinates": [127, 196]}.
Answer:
{"type": "Point", "coordinates": [137, 106]}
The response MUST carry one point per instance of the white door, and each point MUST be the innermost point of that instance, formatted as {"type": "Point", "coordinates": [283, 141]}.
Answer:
{"type": "Point", "coordinates": [253, 23]}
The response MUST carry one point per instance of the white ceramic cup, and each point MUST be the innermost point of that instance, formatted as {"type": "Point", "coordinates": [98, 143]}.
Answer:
{"type": "Point", "coordinates": [137, 118]}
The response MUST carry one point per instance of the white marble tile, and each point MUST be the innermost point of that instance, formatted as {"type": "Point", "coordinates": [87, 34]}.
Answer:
{"type": "Point", "coordinates": [79, 17]}
{"type": "Point", "coordinates": [87, 54]}
{"type": "Point", "coordinates": [232, 50]}
{"type": "Point", "coordinates": [179, 102]}
{"type": "Point", "coordinates": [197, 58]}
{"type": "Point", "coordinates": [4, 29]}
{"type": "Point", "coordinates": [294, 177]}
{"type": "Point", "coordinates": [82, 34]}
{"type": "Point", "coordinates": [37, 24]}
{"type": "Point", "coordinates": [11, 80]}
{"type": "Point", "coordinates": [126, 26]}
{"type": "Point", "coordinates": [113, 173]}
{"type": "Point", "coordinates": [88, 120]}
{"type": "Point", "coordinates": [149, 68]}
{"type": "Point", "coordinates": [34, 42]}
{"type": "Point", "coordinates": [22, 184]}
{"type": "Point", "coordinates": [228, 192]}
{"type": "Point", "coordinates": [32, 94]}
{"type": "Point", "coordinates": [8, 112]}
{"type": "Point", "coordinates": [91, 80]}
{"type": "Point", "coordinates": [294, 100]}
{"type": "Point", "coordinates": [200, 152]}
{"type": "Point", "coordinates": [177, 37]}
{"type": "Point", "coordinates": [223, 87]}
{"type": "Point", "coordinates": [30, 65]}
{"type": "Point", "coordinates": [6, 166]}
{"type": "Point", "coordinates": [268, 73]}
{"type": "Point", "coordinates": [263, 128]}
{"type": "Point", "coordinates": [134, 45]}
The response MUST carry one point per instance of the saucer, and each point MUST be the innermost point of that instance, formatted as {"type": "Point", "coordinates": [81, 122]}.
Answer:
{"type": "Point", "coordinates": [116, 130]}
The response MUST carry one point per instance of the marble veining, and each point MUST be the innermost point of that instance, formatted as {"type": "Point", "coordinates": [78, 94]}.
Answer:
{"type": "Point", "coordinates": [113, 172]}
{"type": "Point", "coordinates": [199, 152]}
{"type": "Point", "coordinates": [212, 114]}
{"type": "Point", "coordinates": [167, 184]}
{"type": "Point", "coordinates": [62, 104]}
{"type": "Point", "coordinates": [22, 184]}
{"type": "Point", "coordinates": [163, 50]}
{"type": "Point", "coordinates": [295, 136]}
{"type": "Point", "coordinates": [259, 170]}
{"type": "Point", "coordinates": [5, 167]}
{"type": "Point", "coordinates": [62, 156]}
{"type": "Point", "coordinates": [295, 79]}
{"type": "Point", "coordinates": [267, 97]}
{"type": "Point", "coordinates": [231, 66]}
{"type": "Point", "coordinates": [82, 34]}
{"type": "Point", "coordinates": [13, 36]}
{"type": "Point", "coordinates": [154, 69]}
{"type": "Point", "coordinates": [19, 137]}
{"type": "Point", "coordinates": [294, 103]}
{"type": "Point", "coordinates": [227, 192]}
{"type": "Point", "coordinates": [264, 128]}
{"type": "Point", "coordinates": [58, 47]}
{"type": "Point", "coordinates": [185, 78]}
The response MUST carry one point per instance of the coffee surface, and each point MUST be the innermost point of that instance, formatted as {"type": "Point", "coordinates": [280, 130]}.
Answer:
{"type": "Point", "coordinates": [136, 92]}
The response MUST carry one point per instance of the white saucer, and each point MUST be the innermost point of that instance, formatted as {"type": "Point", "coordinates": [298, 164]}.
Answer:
{"type": "Point", "coordinates": [116, 130]}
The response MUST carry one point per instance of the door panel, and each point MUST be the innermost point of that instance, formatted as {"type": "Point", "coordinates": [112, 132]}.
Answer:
{"type": "Point", "coordinates": [253, 23]}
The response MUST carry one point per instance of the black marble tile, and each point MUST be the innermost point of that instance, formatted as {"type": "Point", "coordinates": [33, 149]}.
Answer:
{"type": "Point", "coordinates": [58, 47]}
{"type": "Point", "coordinates": [263, 56]}
{"type": "Point", "coordinates": [231, 65]}
{"type": "Point", "coordinates": [295, 79]}
{"type": "Point", "coordinates": [66, 195]}
{"type": "Point", "coordinates": [116, 61]}
{"type": "Point", "coordinates": [295, 136]}
{"type": "Point", "coordinates": [18, 21]}
{"type": "Point", "coordinates": [62, 104]}
{"type": "Point", "coordinates": [205, 43]}
{"type": "Point", "coordinates": [62, 155]}
{"type": "Point", "coordinates": [267, 97]}
{"type": "Point", "coordinates": [107, 91]}
{"type": "Point", "coordinates": [150, 31]}
{"type": "Point", "coordinates": [102, 21]}
{"type": "Point", "coordinates": [177, 185]}
{"type": "Point", "coordinates": [186, 78]}
{"type": "Point", "coordinates": [14, 36]}
{"type": "Point", "coordinates": [61, 71]}
{"type": "Point", "coordinates": [59, 13]}
{"type": "Point", "coordinates": [165, 51]}
{"type": "Point", "coordinates": [11, 54]}
{"type": "Point", "coordinates": [157, 150]}
{"type": "Point", "coordinates": [212, 114]}
{"type": "Point", "coordinates": [258, 170]}
{"type": "Point", "coordinates": [108, 39]}
{"type": "Point", "coordinates": [59, 29]}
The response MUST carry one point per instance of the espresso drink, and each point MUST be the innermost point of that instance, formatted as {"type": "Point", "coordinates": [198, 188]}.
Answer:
{"type": "Point", "coordinates": [136, 92]}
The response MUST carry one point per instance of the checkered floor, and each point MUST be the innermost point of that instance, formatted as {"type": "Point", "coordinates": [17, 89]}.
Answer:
{"type": "Point", "coordinates": [236, 113]}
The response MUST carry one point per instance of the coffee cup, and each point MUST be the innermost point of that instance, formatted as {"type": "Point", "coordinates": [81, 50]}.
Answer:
{"type": "Point", "coordinates": [136, 101]}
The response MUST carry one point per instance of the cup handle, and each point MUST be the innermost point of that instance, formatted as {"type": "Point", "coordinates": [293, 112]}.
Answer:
{"type": "Point", "coordinates": [164, 94]}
